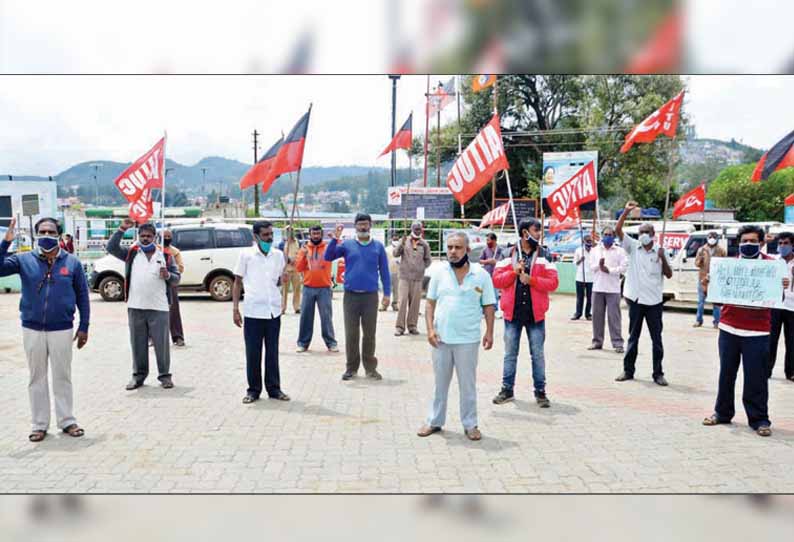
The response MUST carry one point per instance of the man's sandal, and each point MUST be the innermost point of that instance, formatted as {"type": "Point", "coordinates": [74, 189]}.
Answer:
{"type": "Point", "coordinates": [74, 430]}
{"type": "Point", "coordinates": [37, 436]}
{"type": "Point", "coordinates": [764, 431]}
{"type": "Point", "coordinates": [713, 420]}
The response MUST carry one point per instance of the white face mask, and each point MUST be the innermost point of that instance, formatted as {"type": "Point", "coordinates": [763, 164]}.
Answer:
{"type": "Point", "coordinates": [645, 239]}
{"type": "Point", "coordinates": [712, 241]}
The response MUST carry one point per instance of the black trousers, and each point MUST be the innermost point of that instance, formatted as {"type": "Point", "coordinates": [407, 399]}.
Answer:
{"type": "Point", "coordinates": [584, 289]}
{"type": "Point", "coordinates": [652, 315]}
{"type": "Point", "coordinates": [752, 353]}
{"type": "Point", "coordinates": [782, 320]}
{"type": "Point", "coordinates": [256, 332]}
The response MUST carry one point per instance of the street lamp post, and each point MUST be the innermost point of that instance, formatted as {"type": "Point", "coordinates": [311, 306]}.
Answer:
{"type": "Point", "coordinates": [394, 79]}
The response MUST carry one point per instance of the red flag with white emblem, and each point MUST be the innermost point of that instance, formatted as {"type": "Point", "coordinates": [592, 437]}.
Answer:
{"type": "Point", "coordinates": [662, 121]}
{"type": "Point", "coordinates": [478, 163]}
{"type": "Point", "coordinates": [146, 172]}
{"type": "Point", "coordinates": [693, 201]}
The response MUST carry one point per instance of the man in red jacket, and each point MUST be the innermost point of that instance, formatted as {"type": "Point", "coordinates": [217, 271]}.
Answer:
{"type": "Point", "coordinates": [744, 336]}
{"type": "Point", "coordinates": [526, 280]}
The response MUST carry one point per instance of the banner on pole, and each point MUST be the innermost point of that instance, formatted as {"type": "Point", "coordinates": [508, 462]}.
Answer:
{"type": "Point", "coordinates": [558, 167]}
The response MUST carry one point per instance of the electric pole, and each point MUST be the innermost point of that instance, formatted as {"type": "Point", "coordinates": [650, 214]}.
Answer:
{"type": "Point", "coordinates": [394, 79]}
{"type": "Point", "coordinates": [256, 190]}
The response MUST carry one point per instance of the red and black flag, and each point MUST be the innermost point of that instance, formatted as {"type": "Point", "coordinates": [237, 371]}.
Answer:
{"type": "Point", "coordinates": [290, 155]}
{"type": "Point", "coordinates": [402, 139]}
{"type": "Point", "coordinates": [778, 157]}
{"type": "Point", "coordinates": [260, 172]}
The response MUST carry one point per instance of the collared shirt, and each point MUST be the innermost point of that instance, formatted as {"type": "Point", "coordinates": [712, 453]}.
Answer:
{"type": "Point", "coordinates": [644, 279]}
{"type": "Point", "coordinates": [616, 263]}
{"type": "Point", "coordinates": [458, 311]}
{"type": "Point", "coordinates": [260, 276]}
{"type": "Point", "coordinates": [583, 274]}
{"type": "Point", "coordinates": [488, 254]}
{"type": "Point", "coordinates": [147, 289]}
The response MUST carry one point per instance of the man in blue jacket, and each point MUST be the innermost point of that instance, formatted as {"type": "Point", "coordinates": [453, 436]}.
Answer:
{"type": "Point", "coordinates": [365, 260]}
{"type": "Point", "coordinates": [53, 285]}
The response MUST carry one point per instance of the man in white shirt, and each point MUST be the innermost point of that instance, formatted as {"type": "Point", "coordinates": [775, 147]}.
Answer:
{"type": "Point", "coordinates": [783, 319]}
{"type": "Point", "coordinates": [150, 279]}
{"type": "Point", "coordinates": [260, 270]}
{"type": "Point", "coordinates": [607, 264]}
{"type": "Point", "coordinates": [647, 267]}
{"type": "Point", "coordinates": [584, 278]}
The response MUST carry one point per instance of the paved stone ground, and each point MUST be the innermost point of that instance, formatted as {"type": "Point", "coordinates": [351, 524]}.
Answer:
{"type": "Point", "coordinates": [359, 436]}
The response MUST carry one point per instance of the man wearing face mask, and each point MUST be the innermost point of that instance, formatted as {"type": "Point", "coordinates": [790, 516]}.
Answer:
{"type": "Point", "coordinates": [607, 264]}
{"type": "Point", "coordinates": [174, 314]}
{"type": "Point", "coordinates": [703, 262]}
{"type": "Point", "coordinates": [526, 280]}
{"type": "Point", "coordinates": [150, 276]}
{"type": "Point", "coordinates": [783, 319]}
{"type": "Point", "coordinates": [490, 256]}
{"type": "Point", "coordinates": [744, 338]}
{"type": "Point", "coordinates": [260, 269]}
{"type": "Point", "coordinates": [647, 268]}
{"type": "Point", "coordinates": [365, 260]}
{"type": "Point", "coordinates": [414, 254]}
{"type": "Point", "coordinates": [53, 285]}
{"type": "Point", "coordinates": [316, 273]}
{"type": "Point", "coordinates": [584, 278]}
{"type": "Point", "coordinates": [394, 272]}
{"type": "Point", "coordinates": [290, 247]}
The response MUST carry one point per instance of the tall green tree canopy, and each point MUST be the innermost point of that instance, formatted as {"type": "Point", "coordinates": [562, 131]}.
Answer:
{"type": "Point", "coordinates": [761, 201]}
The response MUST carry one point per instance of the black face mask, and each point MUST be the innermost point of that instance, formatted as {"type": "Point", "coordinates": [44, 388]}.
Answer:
{"type": "Point", "coordinates": [533, 243]}
{"type": "Point", "coordinates": [460, 263]}
{"type": "Point", "coordinates": [316, 241]}
{"type": "Point", "coordinates": [166, 242]}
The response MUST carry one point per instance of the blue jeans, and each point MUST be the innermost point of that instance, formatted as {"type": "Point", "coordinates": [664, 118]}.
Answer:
{"type": "Point", "coordinates": [321, 297]}
{"type": "Point", "coordinates": [702, 303]}
{"type": "Point", "coordinates": [537, 338]}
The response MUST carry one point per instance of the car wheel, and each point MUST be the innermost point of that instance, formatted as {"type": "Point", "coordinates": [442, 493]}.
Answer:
{"type": "Point", "coordinates": [221, 288]}
{"type": "Point", "coordinates": [111, 289]}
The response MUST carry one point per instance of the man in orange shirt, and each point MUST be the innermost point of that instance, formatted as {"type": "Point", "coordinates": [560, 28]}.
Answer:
{"type": "Point", "coordinates": [316, 273]}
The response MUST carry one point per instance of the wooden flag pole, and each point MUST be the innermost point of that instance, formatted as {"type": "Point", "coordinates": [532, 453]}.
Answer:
{"type": "Point", "coordinates": [427, 125]}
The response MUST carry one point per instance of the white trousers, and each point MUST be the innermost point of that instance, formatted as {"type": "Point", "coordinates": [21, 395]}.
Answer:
{"type": "Point", "coordinates": [44, 348]}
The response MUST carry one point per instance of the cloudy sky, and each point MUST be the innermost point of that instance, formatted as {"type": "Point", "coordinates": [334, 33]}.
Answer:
{"type": "Point", "coordinates": [53, 122]}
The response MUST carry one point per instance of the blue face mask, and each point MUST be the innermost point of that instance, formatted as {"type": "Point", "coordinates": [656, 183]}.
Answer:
{"type": "Point", "coordinates": [265, 245]}
{"type": "Point", "coordinates": [784, 250]}
{"type": "Point", "coordinates": [147, 248]}
{"type": "Point", "coordinates": [608, 240]}
{"type": "Point", "coordinates": [749, 250]}
{"type": "Point", "coordinates": [47, 243]}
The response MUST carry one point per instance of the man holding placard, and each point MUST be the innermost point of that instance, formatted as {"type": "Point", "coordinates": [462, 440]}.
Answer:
{"type": "Point", "coordinates": [747, 289]}
{"type": "Point", "coordinates": [783, 319]}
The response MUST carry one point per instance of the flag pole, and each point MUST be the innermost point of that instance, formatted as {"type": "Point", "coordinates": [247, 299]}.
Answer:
{"type": "Point", "coordinates": [427, 124]}
{"type": "Point", "coordinates": [460, 142]}
{"type": "Point", "coordinates": [495, 111]}
{"type": "Point", "coordinates": [581, 238]}
{"type": "Point", "coordinates": [438, 147]}
{"type": "Point", "coordinates": [297, 183]}
{"type": "Point", "coordinates": [162, 192]}
{"type": "Point", "coordinates": [671, 158]}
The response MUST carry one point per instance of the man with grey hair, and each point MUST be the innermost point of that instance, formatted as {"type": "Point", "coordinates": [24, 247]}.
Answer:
{"type": "Point", "coordinates": [414, 254]}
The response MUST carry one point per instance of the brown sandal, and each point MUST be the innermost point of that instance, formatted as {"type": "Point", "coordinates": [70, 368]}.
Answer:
{"type": "Point", "coordinates": [473, 433]}
{"type": "Point", "coordinates": [74, 430]}
{"type": "Point", "coordinates": [37, 436]}
{"type": "Point", "coordinates": [764, 431]}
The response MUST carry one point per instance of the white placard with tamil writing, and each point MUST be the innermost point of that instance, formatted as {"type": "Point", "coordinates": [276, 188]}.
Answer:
{"type": "Point", "coordinates": [748, 282]}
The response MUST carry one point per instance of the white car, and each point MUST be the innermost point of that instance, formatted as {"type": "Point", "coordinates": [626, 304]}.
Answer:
{"type": "Point", "coordinates": [209, 253]}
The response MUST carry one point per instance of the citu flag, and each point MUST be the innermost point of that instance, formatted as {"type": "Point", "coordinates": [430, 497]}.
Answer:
{"type": "Point", "coordinates": [662, 121]}
{"type": "Point", "coordinates": [478, 163]}
{"type": "Point", "coordinates": [402, 139]}
{"type": "Point", "coordinates": [290, 154]}
{"type": "Point", "coordinates": [496, 216]}
{"type": "Point", "coordinates": [261, 170]}
{"type": "Point", "coordinates": [693, 201]}
{"type": "Point", "coordinates": [481, 82]}
{"type": "Point", "coordinates": [137, 181]}
{"type": "Point", "coordinates": [569, 196]}
{"type": "Point", "coordinates": [780, 156]}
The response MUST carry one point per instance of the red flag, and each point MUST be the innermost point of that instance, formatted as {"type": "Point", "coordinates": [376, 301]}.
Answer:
{"type": "Point", "coordinates": [487, 153]}
{"type": "Point", "coordinates": [693, 201]}
{"type": "Point", "coordinates": [576, 191]}
{"type": "Point", "coordinates": [143, 208]}
{"type": "Point", "coordinates": [496, 216]}
{"type": "Point", "coordinates": [569, 223]}
{"type": "Point", "coordinates": [781, 155]}
{"type": "Point", "coordinates": [481, 82]}
{"type": "Point", "coordinates": [146, 172]}
{"type": "Point", "coordinates": [261, 170]}
{"type": "Point", "coordinates": [402, 139]}
{"type": "Point", "coordinates": [290, 153]}
{"type": "Point", "coordinates": [789, 200]}
{"type": "Point", "coordinates": [443, 96]}
{"type": "Point", "coordinates": [662, 121]}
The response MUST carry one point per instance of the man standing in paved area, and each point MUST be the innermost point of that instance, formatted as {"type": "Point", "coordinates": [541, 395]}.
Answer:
{"type": "Point", "coordinates": [414, 254]}
{"type": "Point", "coordinates": [365, 260]}
{"type": "Point", "coordinates": [150, 277]}
{"type": "Point", "coordinates": [174, 315]}
{"type": "Point", "coordinates": [490, 256]}
{"type": "Point", "coordinates": [293, 280]}
{"type": "Point", "coordinates": [783, 319]}
{"type": "Point", "coordinates": [53, 285]}
{"type": "Point", "coordinates": [710, 250]}
{"type": "Point", "coordinates": [526, 280]}
{"type": "Point", "coordinates": [394, 272]}
{"type": "Point", "coordinates": [259, 270]}
{"type": "Point", "coordinates": [584, 279]}
{"type": "Point", "coordinates": [647, 267]}
{"type": "Point", "coordinates": [607, 263]}
{"type": "Point", "coordinates": [744, 338]}
{"type": "Point", "coordinates": [316, 273]}
{"type": "Point", "coordinates": [456, 299]}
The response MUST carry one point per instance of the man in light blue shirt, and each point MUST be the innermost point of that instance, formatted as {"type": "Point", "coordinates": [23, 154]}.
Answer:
{"type": "Point", "coordinates": [457, 297]}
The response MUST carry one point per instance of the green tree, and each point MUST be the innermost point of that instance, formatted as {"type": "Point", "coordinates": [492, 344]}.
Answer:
{"type": "Point", "coordinates": [761, 201]}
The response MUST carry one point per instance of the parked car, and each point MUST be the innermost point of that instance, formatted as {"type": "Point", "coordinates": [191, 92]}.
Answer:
{"type": "Point", "coordinates": [209, 252]}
